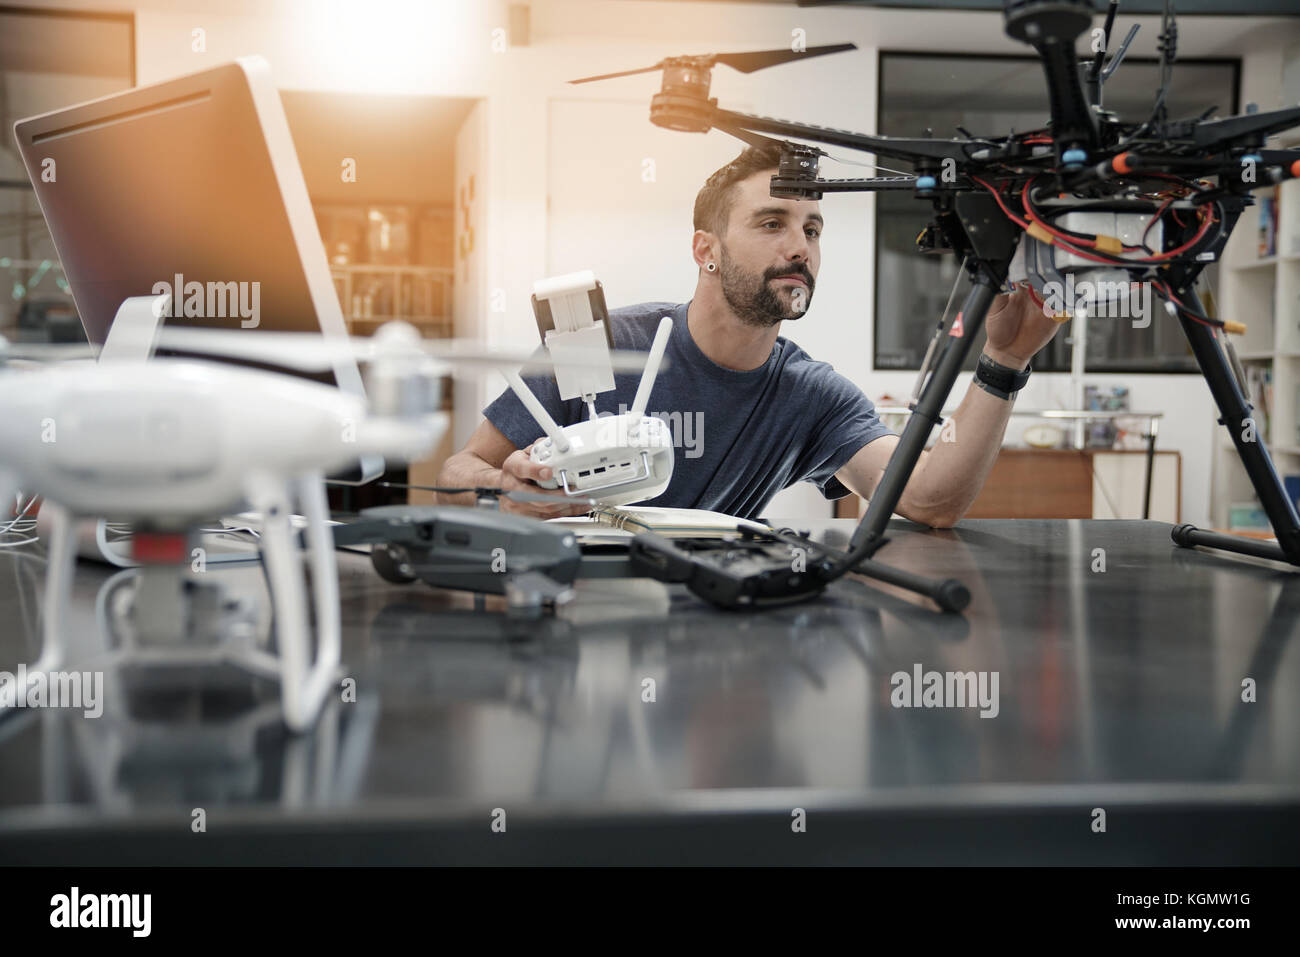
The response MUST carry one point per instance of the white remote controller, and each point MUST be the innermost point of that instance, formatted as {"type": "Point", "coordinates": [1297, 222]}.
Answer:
{"type": "Point", "coordinates": [615, 459]}
{"type": "Point", "coordinates": [618, 459]}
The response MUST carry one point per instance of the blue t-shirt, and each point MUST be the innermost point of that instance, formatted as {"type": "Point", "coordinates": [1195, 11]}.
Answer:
{"type": "Point", "coordinates": [738, 437]}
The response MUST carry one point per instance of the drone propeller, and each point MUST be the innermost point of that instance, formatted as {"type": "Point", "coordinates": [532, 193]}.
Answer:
{"type": "Point", "coordinates": [488, 491]}
{"type": "Point", "coordinates": [749, 62]}
{"type": "Point", "coordinates": [743, 62]}
{"type": "Point", "coordinates": [307, 352]}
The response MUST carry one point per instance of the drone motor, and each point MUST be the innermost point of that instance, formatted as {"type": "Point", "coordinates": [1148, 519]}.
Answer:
{"type": "Point", "coordinates": [1043, 22]}
{"type": "Point", "coordinates": [684, 91]}
{"type": "Point", "coordinates": [798, 162]}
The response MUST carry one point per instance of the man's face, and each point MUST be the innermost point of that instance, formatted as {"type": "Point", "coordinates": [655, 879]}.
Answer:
{"type": "Point", "coordinates": [770, 253]}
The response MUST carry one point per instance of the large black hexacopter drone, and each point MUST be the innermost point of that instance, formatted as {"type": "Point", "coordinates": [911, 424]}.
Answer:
{"type": "Point", "coordinates": [1151, 201]}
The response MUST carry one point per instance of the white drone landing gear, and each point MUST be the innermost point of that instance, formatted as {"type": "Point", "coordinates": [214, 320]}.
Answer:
{"type": "Point", "coordinates": [617, 459]}
{"type": "Point", "coordinates": [305, 679]}
{"type": "Point", "coordinates": [58, 590]}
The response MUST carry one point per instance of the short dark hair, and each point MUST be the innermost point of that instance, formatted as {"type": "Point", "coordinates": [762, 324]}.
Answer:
{"type": "Point", "coordinates": [713, 202]}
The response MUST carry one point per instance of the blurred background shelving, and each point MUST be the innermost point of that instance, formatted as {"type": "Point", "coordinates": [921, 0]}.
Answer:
{"type": "Point", "coordinates": [1261, 287]}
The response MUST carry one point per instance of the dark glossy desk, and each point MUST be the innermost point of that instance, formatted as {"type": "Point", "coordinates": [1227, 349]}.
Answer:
{"type": "Point", "coordinates": [1118, 689]}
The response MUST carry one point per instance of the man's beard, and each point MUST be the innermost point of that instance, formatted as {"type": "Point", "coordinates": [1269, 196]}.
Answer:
{"type": "Point", "coordinates": [754, 300]}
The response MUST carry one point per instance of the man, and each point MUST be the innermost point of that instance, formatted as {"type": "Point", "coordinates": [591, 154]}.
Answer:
{"type": "Point", "coordinates": [771, 415]}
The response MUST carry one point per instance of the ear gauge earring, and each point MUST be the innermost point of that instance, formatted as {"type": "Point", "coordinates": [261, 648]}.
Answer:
{"type": "Point", "coordinates": [711, 266]}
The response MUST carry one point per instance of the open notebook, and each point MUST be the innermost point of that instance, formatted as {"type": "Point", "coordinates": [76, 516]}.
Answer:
{"type": "Point", "coordinates": [616, 523]}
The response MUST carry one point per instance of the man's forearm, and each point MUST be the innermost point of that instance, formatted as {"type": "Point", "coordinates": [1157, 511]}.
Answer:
{"type": "Point", "coordinates": [948, 478]}
{"type": "Point", "coordinates": [466, 470]}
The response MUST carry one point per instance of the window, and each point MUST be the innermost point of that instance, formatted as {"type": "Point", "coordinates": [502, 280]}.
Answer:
{"type": "Point", "coordinates": [48, 59]}
{"type": "Point", "coordinates": [989, 95]}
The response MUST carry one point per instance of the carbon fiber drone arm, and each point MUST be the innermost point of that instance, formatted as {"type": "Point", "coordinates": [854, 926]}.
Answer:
{"type": "Point", "coordinates": [934, 150]}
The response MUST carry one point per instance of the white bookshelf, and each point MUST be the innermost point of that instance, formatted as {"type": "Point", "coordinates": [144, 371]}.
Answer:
{"type": "Point", "coordinates": [1264, 293]}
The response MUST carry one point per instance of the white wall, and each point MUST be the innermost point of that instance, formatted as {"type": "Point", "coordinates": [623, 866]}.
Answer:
{"type": "Point", "coordinates": [471, 187]}
{"type": "Point", "coordinates": [414, 46]}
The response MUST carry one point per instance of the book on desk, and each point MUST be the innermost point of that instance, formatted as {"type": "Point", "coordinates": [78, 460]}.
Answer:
{"type": "Point", "coordinates": [614, 524]}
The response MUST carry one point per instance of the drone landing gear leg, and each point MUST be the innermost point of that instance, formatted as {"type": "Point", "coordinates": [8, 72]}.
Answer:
{"type": "Point", "coordinates": [324, 585]}
{"type": "Point", "coordinates": [303, 684]}
{"type": "Point", "coordinates": [58, 590]}
{"type": "Point", "coordinates": [951, 595]}
{"type": "Point", "coordinates": [1235, 410]}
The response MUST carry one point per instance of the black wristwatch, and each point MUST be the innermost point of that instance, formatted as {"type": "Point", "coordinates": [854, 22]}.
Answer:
{"type": "Point", "coordinates": [999, 380]}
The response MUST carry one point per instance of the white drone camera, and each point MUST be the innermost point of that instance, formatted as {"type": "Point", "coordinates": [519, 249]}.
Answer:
{"type": "Point", "coordinates": [616, 459]}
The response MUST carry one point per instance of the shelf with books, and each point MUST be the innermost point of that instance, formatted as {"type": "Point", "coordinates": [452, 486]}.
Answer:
{"type": "Point", "coordinates": [1287, 306]}
{"type": "Point", "coordinates": [1286, 209]}
{"type": "Point", "coordinates": [1250, 297]}
{"type": "Point", "coordinates": [371, 293]}
{"type": "Point", "coordinates": [1260, 287]}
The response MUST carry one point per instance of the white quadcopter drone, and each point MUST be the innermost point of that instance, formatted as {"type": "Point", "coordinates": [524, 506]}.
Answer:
{"type": "Point", "coordinates": [170, 444]}
{"type": "Point", "coordinates": [618, 459]}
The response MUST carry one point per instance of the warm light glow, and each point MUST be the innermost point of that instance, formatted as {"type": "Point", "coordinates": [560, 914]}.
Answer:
{"type": "Point", "coordinates": [388, 46]}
